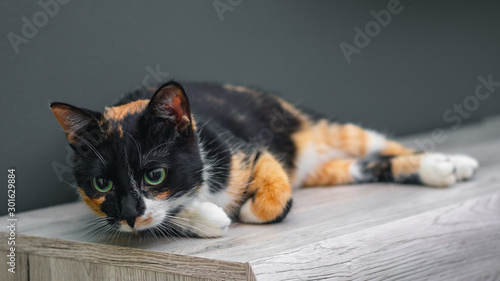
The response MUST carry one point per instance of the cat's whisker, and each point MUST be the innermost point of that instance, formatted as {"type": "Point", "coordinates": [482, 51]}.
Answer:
{"type": "Point", "coordinates": [170, 233]}
{"type": "Point", "coordinates": [67, 182]}
{"type": "Point", "coordinates": [117, 235]}
{"type": "Point", "coordinates": [177, 237]}
{"type": "Point", "coordinates": [104, 230]}
{"type": "Point", "coordinates": [185, 219]}
{"type": "Point", "coordinates": [191, 226]}
{"type": "Point", "coordinates": [99, 233]}
{"type": "Point", "coordinates": [89, 230]}
{"type": "Point", "coordinates": [107, 230]}
{"type": "Point", "coordinates": [90, 226]}
{"type": "Point", "coordinates": [152, 234]}
{"type": "Point", "coordinates": [110, 236]}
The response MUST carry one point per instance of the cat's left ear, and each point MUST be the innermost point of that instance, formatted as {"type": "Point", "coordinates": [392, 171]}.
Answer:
{"type": "Point", "coordinates": [73, 120]}
{"type": "Point", "coordinates": [171, 104]}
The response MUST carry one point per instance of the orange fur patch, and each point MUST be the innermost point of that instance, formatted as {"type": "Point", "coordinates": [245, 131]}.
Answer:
{"type": "Point", "coordinates": [93, 203]}
{"type": "Point", "coordinates": [271, 187]}
{"type": "Point", "coordinates": [193, 122]}
{"type": "Point", "coordinates": [239, 176]}
{"type": "Point", "coordinates": [352, 139]}
{"type": "Point", "coordinates": [394, 148]}
{"type": "Point", "coordinates": [117, 113]}
{"type": "Point", "coordinates": [162, 195]}
{"type": "Point", "coordinates": [406, 165]}
{"type": "Point", "coordinates": [325, 136]}
{"type": "Point", "coordinates": [331, 173]}
{"type": "Point", "coordinates": [141, 222]}
{"type": "Point", "coordinates": [349, 138]}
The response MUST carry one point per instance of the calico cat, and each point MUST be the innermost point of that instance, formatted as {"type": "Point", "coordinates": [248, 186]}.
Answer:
{"type": "Point", "coordinates": [186, 160]}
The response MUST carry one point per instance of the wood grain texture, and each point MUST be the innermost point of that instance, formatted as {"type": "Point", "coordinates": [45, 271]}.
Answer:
{"type": "Point", "coordinates": [22, 270]}
{"type": "Point", "coordinates": [40, 267]}
{"type": "Point", "coordinates": [125, 257]}
{"type": "Point", "coordinates": [460, 241]}
{"type": "Point", "coordinates": [62, 269]}
{"type": "Point", "coordinates": [355, 232]}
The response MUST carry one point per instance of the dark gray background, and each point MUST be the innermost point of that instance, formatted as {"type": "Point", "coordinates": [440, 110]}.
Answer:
{"type": "Point", "coordinates": [427, 59]}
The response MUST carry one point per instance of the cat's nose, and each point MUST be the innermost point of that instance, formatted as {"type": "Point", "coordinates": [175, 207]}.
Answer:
{"type": "Point", "coordinates": [129, 211]}
{"type": "Point", "coordinates": [129, 216]}
{"type": "Point", "coordinates": [131, 222]}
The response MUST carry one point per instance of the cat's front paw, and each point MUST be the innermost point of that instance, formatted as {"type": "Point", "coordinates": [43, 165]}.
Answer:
{"type": "Point", "coordinates": [438, 169]}
{"type": "Point", "coordinates": [205, 219]}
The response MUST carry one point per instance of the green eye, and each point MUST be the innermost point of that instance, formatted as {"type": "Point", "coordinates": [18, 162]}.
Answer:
{"type": "Point", "coordinates": [155, 176]}
{"type": "Point", "coordinates": [102, 184]}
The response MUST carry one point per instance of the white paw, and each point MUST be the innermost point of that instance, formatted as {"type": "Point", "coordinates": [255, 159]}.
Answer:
{"type": "Point", "coordinates": [443, 170]}
{"type": "Point", "coordinates": [205, 219]}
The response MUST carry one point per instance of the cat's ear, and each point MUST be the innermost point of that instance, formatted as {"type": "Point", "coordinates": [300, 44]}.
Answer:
{"type": "Point", "coordinates": [171, 104]}
{"type": "Point", "coordinates": [72, 119]}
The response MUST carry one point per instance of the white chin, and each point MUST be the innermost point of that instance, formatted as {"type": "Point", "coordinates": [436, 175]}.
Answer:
{"type": "Point", "coordinates": [125, 228]}
{"type": "Point", "coordinates": [128, 229]}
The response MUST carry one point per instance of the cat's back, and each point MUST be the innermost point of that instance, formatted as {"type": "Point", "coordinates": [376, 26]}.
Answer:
{"type": "Point", "coordinates": [217, 100]}
{"type": "Point", "coordinates": [244, 110]}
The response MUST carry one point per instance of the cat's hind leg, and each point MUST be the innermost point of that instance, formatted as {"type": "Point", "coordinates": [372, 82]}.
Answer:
{"type": "Point", "coordinates": [269, 196]}
{"type": "Point", "coordinates": [332, 154]}
{"type": "Point", "coordinates": [432, 169]}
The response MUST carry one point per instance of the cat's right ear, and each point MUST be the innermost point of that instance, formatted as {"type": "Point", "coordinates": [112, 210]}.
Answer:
{"type": "Point", "coordinates": [73, 120]}
{"type": "Point", "coordinates": [170, 103]}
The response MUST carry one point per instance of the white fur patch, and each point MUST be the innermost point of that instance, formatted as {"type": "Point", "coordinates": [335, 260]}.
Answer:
{"type": "Point", "coordinates": [357, 172]}
{"type": "Point", "coordinates": [443, 170]}
{"type": "Point", "coordinates": [205, 219]}
{"type": "Point", "coordinates": [125, 228]}
{"type": "Point", "coordinates": [376, 142]}
{"type": "Point", "coordinates": [246, 214]}
{"type": "Point", "coordinates": [221, 199]}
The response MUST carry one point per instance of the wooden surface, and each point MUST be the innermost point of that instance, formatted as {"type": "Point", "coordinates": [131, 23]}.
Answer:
{"type": "Point", "coordinates": [357, 232]}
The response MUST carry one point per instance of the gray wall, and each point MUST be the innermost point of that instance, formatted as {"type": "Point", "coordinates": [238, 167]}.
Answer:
{"type": "Point", "coordinates": [424, 61]}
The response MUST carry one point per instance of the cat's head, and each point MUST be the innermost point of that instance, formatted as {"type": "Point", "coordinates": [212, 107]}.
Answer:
{"type": "Point", "coordinates": [138, 164]}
